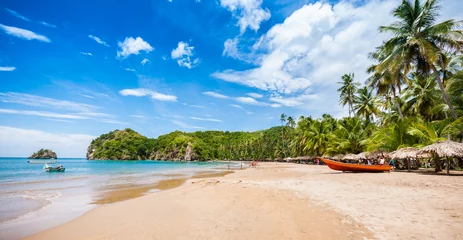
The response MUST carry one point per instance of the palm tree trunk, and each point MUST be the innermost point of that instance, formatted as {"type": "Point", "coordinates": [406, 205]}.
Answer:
{"type": "Point", "coordinates": [397, 104]}
{"type": "Point", "coordinates": [444, 93]}
{"type": "Point", "coordinates": [448, 166]}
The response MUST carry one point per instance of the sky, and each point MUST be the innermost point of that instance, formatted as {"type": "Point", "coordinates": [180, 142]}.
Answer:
{"type": "Point", "coordinates": [70, 71]}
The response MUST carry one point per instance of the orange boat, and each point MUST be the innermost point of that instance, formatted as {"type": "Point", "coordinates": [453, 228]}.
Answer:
{"type": "Point", "coordinates": [349, 167]}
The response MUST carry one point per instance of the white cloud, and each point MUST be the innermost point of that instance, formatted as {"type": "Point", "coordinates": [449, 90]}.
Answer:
{"type": "Point", "coordinates": [111, 121]}
{"type": "Point", "coordinates": [98, 40]}
{"type": "Point", "coordinates": [184, 55]}
{"type": "Point", "coordinates": [206, 119]}
{"type": "Point", "coordinates": [130, 69]}
{"type": "Point", "coordinates": [216, 95]}
{"type": "Point", "coordinates": [47, 24]}
{"type": "Point", "coordinates": [138, 116]}
{"type": "Point", "coordinates": [38, 101]}
{"type": "Point", "coordinates": [306, 55]}
{"type": "Point", "coordinates": [85, 95]}
{"type": "Point", "coordinates": [144, 61]}
{"type": "Point", "coordinates": [255, 95]}
{"type": "Point", "coordinates": [141, 92]}
{"type": "Point", "coordinates": [250, 101]}
{"type": "Point", "coordinates": [249, 113]}
{"type": "Point", "coordinates": [58, 120]}
{"type": "Point", "coordinates": [41, 114]}
{"type": "Point", "coordinates": [192, 105]}
{"type": "Point", "coordinates": [16, 14]}
{"type": "Point", "coordinates": [7, 69]}
{"type": "Point", "coordinates": [133, 46]}
{"type": "Point", "coordinates": [86, 53]}
{"type": "Point", "coordinates": [23, 33]}
{"type": "Point", "coordinates": [185, 125]}
{"type": "Point", "coordinates": [19, 142]}
{"type": "Point", "coordinates": [236, 106]}
{"type": "Point", "coordinates": [249, 13]}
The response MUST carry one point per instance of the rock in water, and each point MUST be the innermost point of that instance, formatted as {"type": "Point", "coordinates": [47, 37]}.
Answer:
{"type": "Point", "coordinates": [44, 154]}
{"type": "Point", "coordinates": [188, 152]}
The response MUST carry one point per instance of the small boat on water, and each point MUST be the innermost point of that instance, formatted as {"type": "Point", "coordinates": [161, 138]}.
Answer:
{"type": "Point", "coordinates": [350, 167]}
{"type": "Point", "coordinates": [58, 168]}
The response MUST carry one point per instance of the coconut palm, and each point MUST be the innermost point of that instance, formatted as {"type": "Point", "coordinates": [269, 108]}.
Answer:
{"type": "Point", "coordinates": [283, 120]}
{"type": "Point", "coordinates": [347, 91]}
{"type": "Point", "coordinates": [418, 40]}
{"type": "Point", "coordinates": [365, 104]}
{"type": "Point", "coordinates": [421, 96]}
{"type": "Point", "coordinates": [318, 136]}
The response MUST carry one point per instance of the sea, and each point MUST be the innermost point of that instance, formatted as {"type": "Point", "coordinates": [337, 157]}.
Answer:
{"type": "Point", "coordinates": [33, 200]}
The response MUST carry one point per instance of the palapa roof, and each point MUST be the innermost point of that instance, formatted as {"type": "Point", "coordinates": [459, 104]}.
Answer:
{"type": "Point", "coordinates": [350, 156]}
{"type": "Point", "coordinates": [361, 155]}
{"type": "Point", "coordinates": [377, 154]}
{"type": "Point", "coordinates": [446, 148]}
{"type": "Point", "coordinates": [408, 152]}
{"type": "Point", "coordinates": [338, 157]}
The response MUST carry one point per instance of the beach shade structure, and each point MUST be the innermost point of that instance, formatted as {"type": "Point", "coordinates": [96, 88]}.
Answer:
{"type": "Point", "coordinates": [444, 149]}
{"type": "Point", "coordinates": [377, 154]}
{"type": "Point", "coordinates": [350, 156]}
{"type": "Point", "coordinates": [405, 153]}
{"type": "Point", "coordinates": [338, 157]}
{"type": "Point", "coordinates": [362, 155]}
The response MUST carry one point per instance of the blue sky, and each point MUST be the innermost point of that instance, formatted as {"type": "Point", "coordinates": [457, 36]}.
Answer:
{"type": "Point", "coordinates": [72, 71]}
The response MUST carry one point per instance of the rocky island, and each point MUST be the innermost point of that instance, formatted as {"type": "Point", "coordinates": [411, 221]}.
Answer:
{"type": "Point", "coordinates": [44, 154]}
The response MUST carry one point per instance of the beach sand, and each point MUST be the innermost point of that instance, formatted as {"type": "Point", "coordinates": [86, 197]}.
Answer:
{"type": "Point", "coordinates": [283, 201]}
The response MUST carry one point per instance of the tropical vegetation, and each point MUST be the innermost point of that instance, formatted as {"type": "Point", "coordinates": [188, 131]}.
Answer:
{"type": "Point", "coordinates": [412, 97]}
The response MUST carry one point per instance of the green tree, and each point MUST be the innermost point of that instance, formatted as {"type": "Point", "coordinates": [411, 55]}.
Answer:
{"type": "Point", "coordinates": [365, 104]}
{"type": "Point", "coordinates": [347, 91]}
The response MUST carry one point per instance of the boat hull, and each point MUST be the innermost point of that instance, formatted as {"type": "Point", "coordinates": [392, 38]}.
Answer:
{"type": "Point", "coordinates": [349, 167]}
{"type": "Point", "coordinates": [55, 169]}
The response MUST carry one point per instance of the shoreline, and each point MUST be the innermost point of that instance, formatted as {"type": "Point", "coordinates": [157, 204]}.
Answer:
{"type": "Point", "coordinates": [283, 201]}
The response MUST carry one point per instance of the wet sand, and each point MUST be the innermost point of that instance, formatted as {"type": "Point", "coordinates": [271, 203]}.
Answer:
{"type": "Point", "coordinates": [284, 201]}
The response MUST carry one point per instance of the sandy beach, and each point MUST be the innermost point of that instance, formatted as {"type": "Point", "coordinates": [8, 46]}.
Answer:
{"type": "Point", "coordinates": [282, 201]}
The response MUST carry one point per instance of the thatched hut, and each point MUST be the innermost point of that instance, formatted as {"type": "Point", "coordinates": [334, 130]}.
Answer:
{"type": "Point", "coordinates": [377, 154]}
{"type": "Point", "coordinates": [405, 153]}
{"type": "Point", "coordinates": [444, 149]}
{"type": "Point", "coordinates": [350, 156]}
{"type": "Point", "coordinates": [338, 157]}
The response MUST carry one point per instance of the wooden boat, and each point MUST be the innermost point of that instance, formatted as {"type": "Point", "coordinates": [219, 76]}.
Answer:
{"type": "Point", "coordinates": [49, 168]}
{"type": "Point", "coordinates": [349, 167]}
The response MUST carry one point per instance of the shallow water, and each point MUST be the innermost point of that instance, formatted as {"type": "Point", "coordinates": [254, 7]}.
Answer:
{"type": "Point", "coordinates": [33, 199]}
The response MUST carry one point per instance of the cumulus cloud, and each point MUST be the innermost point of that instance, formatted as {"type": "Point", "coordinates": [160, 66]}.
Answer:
{"type": "Point", "coordinates": [16, 14]}
{"type": "Point", "coordinates": [306, 55]}
{"type": "Point", "coordinates": [184, 55]}
{"type": "Point", "coordinates": [144, 61]}
{"type": "Point", "coordinates": [86, 53]}
{"type": "Point", "coordinates": [7, 69]}
{"type": "Point", "coordinates": [20, 142]}
{"type": "Point", "coordinates": [130, 69]}
{"type": "Point", "coordinates": [206, 119]}
{"type": "Point", "coordinates": [249, 13]}
{"type": "Point", "coordinates": [141, 92]}
{"type": "Point", "coordinates": [216, 95]}
{"type": "Point", "coordinates": [98, 40]}
{"type": "Point", "coordinates": [133, 46]}
{"type": "Point", "coordinates": [23, 33]}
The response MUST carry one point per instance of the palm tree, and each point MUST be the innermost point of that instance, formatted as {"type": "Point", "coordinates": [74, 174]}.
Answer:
{"type": "Point", "coordinates": [318, 136]}
{"type": "Point", "coordinates": [386, 83]}
{"type": "Point", "coordinates": [347, 91]}
{"type": "Point", "coordinates": [290, 122]}
{"type": "Point", "coordinates": [421, 96]}
{"type": "Point", "coordinates": [365, 104]}
{"type": "Point", "coordinates": [283, 120]}
{"type": "Point", "coordinates": [418, 40]}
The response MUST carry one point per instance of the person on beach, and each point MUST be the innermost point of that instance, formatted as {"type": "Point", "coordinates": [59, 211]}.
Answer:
{"type": "Point", "coordinates": [381, 160]}
{"type": "Point", "coordinates": [391, 163]}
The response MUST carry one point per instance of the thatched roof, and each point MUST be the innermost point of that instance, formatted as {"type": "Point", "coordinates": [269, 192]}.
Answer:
{"type": "Point", "coordinates": [444, 149]}
{"type": "Point", "coordinates": [304, 158]}
{"type": "Point", "coordinates": [362, 155]}
{"type": "Point", "coordinates": [350, 156]}
{"type": "Point", "coordinates": [408, 152]}
{"type": "Point", "coordinates": [338, 157]}
{"type": "Point", "coordinates": [377, 154]}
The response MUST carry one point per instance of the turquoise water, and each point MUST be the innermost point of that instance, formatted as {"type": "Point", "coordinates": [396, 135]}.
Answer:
{"type": "Point", "coordinates": [33, 199]}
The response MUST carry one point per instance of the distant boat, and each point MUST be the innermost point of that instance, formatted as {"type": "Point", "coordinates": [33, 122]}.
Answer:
{"type": "Point", "coordinates": [42, 161]}
{"type": "Point", "coordinates": [59, 168]}
{"type": "Point", "coordinates": [349, 167]}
